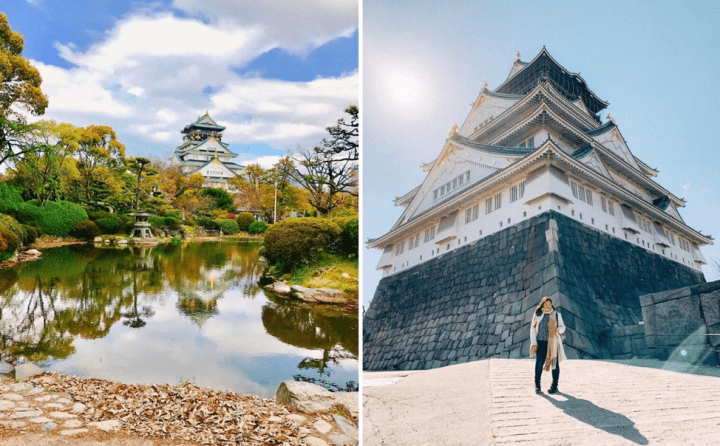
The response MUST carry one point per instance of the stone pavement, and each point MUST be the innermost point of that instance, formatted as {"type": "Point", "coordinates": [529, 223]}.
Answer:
{"type": "Point", "coordinates": [493, 402]}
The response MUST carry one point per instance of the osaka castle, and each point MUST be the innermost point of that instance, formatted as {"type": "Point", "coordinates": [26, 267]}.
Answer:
{"type": "Point", "coordinates": [533, 195]}
{"type": "Point", "coordinates": [203, 151]}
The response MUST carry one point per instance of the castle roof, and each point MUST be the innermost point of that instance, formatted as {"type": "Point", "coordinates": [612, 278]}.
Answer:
{"type": "Point", "coordinates": [203, 122]}
{"type": "Point", "coordinates": [524, 77]}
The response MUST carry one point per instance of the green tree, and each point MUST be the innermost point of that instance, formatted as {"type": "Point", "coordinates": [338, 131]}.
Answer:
{"type": "Point", "coordinates": [138, 166]}
{"type": "Point", "coordinates": [221, 199]}
{"type": "Point", "coordinates": [100, 162]}
{"type": "Point", "coordinates": [20, 87]}
{"type": "Point", "coordinates": [330, 168]}
{"type": "Point", "coordinates": [40, 172]}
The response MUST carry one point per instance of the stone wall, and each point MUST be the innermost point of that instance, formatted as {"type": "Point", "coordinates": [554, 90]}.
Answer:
{"type": "Point", "coordinates": [684, 324]}
{"type": "Point", "coordinates": [627, 342]}
{"type": "Point", "coordinates": [476, 301]}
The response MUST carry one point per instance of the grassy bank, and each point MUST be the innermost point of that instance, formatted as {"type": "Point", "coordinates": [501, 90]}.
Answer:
{"type": "Point", "coordinates": [327, 273]}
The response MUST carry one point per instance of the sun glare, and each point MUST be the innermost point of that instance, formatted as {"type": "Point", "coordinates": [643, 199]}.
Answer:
{"type": "Point", "coordinates": [404, 87]}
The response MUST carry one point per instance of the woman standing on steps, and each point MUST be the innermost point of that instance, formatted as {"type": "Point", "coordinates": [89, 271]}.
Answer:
{"type": "Point", "coordinates": [546, 338]}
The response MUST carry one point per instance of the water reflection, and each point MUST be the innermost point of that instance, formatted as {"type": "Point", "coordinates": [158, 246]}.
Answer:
{"type": "Point", "coordinates": [63, 310]}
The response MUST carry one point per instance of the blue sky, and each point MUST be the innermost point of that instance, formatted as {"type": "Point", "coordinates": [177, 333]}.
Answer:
{"type": "Point", "coordinates": [275, 74]}
{"type": "Point", "coordinates": [656, 63]}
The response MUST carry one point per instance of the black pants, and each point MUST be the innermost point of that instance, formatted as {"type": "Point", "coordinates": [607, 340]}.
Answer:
{"type": "Point", "coordinates": [540, 361]}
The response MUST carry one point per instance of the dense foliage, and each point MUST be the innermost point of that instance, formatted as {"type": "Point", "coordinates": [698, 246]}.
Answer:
{"type": "Point", "coordinates": [244, 220]}
{"type": "Point", "coordinates": [257, 227]}
{"type": "Point", "coordinates": [298, 241]}
{"type": "Point", "coordinates": [347, 242]}
{"type": "Point", "coordinates": [228, 226]}
{"type": "Point", "coordinates": [55, 218]}
{"type": "Point", "coordinates": [109, 225]}
{"type": "Point", "coordinates": [208, 224]}
{"type": "Point", "coordinates": [31, 234]}
{"type": "Point", "coordinates": [10, 199]}
{"type": "Point", "coordinates": [12, 234]}
{"type": "Point", "coordinates": [86, 230]}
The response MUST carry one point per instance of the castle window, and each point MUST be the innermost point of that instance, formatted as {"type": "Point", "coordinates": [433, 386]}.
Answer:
{"type": "Point", "coordinates": [671, 236]}
{"type": "Point", "coordinates": [471, 214]}
{"type": "Point", "coordinates": [488, 205]}
{"type": "Point", "coordinates": [611, 208]}
{"type": "Point", "coordinates": [603, 204]}
{"type": "Point", "coordinates": [684, 245]}
{"type": "Point", "coordinates": [429, 234]}
{"type": "Point", "coordinates": [498, 201]}
{"type": "Point", "coordinates": [645, 224]}
{"type": "Point", "coordinates": [581, 193]}
{"type": "Point", "coordinates": [400, 248]}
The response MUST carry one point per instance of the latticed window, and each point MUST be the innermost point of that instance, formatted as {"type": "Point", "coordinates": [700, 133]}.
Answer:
{"type": "Point", "coordinates": [400, 248]}
{"type": "Point", "coordinates": [498, 201]}
{"type": "Point", "coordinates": [429, 234]}
{"type": "Point", "coordinates": [471, 214]}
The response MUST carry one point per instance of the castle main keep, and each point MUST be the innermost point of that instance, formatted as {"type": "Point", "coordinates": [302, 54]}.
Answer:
{"type": "Point", "coordinates": [533, 195]}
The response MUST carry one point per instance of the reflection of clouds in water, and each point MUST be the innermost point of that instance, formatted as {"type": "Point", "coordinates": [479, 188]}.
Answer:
{"type": "Point", "coordinates": [231, 350]}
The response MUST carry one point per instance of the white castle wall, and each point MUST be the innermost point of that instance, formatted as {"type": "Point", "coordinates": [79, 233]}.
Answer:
{"type": "Point", "coordinates": [544, 190]}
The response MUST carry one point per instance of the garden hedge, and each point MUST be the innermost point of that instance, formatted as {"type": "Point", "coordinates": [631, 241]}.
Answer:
{"type": "Point", "coordinates": [228, 226]}
{"type": "Point", "coordinates": [86, 230]}
{"type": "Point", "coordinates": [244, 220]}
{"type": "Point", "coordinates": [258, 227]}
{"type": "Point", "coordinates": [109, 225]}
{"type": "Point", "coordinates": [295, 242]}
{"type": "Point", "coordinates": [55, 218]}
{"type": "Point", "coordinates": [347, 242]}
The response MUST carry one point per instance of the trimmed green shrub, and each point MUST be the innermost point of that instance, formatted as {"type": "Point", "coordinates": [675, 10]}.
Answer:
{"type": "Point", "coordinates": [86, 230]}
{"type": "Point", "coordinates": [347, 242]}
{"type": "Point", "coordinates": [228, 226]}
{"type": "Point", "coordinates": [258, 227]}
{"type": "Point", "coordinates": [110, 225]}
{"type": "Point", "coordinates": [244, 220]}
{"type": "Point", "coordinates": [55, 218]}
{"type": "Point", "coordinates": [10, 199]}
{"type": "Point", "coordinates": [9, 242]}
{"type": "Point", "coordinates": [97, 215]}
{"type": "Point", "coordinates": [298, 241]}
{"type": "Point", "coordinates": [31, 234]}
{"type": "Point", "coordinates": [13, 226]}
{"type": "Point", "coordinates": [208, 224]}
{"type": "Point", "coordinates": [172, 223]}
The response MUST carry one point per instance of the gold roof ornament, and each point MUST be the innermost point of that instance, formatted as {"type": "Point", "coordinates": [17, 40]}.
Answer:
{"type": "Point", "coordinates": [517, 56]}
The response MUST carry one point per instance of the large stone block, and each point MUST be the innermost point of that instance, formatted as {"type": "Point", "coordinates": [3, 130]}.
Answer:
{"type": "Point", "coordinates": [711, 307]}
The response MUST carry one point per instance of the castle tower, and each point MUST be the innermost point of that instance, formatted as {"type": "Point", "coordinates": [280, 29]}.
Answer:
{"type": "Point", "coordinates": [533, 195]}
{"type": "Point", "coordinates": [203, 151]}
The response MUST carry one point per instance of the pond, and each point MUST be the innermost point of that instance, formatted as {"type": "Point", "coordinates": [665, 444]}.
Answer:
{"type": "Point", "coordinates": [171, 314]}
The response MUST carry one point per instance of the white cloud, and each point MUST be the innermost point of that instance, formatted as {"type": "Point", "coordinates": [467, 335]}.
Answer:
{"type": "Point", "coordinates": [297, 25]}
{"type": "Point", "coordinates": [148, 78]}
{"type": "Point", "coordinates": [266, 162]}
{"type": "Point", "coordinates": [136, 91]}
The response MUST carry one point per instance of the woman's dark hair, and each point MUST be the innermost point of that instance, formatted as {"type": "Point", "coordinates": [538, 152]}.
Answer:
{"type": "Point", "coordinates": [538, 311]}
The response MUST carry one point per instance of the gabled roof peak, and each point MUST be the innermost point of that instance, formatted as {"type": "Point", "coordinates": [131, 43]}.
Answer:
{"type": "Point", "coordinates": [543, 67]}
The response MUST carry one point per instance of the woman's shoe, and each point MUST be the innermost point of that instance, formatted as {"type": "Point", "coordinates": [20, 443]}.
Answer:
{"type": "Point", "coordinates": [537, 388]}
{"type": "Point", "coordinates": [553, 388]}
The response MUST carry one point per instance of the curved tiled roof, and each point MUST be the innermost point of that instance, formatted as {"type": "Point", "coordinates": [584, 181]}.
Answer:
{"type": "Point", "coordinates": [582, 151]}
{"type": "Point", "coordinates": [499, 150]}
{"type": "Point", "coordinates": [602, 129]}
{"type": "Point", "coordinates": [544, 66]}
